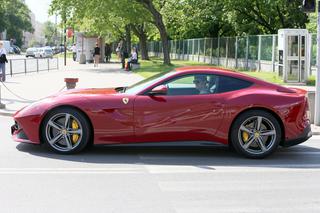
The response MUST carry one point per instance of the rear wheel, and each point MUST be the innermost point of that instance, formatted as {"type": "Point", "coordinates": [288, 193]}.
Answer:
{"type": "Point", "coordinates": [256, 134]}
{"type": "Point", "coordinates": [66, 131]}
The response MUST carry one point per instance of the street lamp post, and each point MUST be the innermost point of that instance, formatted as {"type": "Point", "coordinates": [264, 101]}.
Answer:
{"type": "Point", "coordinates": [65, 42]}
{"type": "Point", "coordinates": [317, 101]}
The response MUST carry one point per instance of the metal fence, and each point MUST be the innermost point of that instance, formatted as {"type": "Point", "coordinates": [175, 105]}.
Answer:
{"type": "Point", "coordinates": [259, 52]}
{"type": "Point", "coordinates": [24, 66]}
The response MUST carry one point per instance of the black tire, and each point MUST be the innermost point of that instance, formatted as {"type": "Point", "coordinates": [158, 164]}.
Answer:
{"type": "Point", "coordinates": [83, 123]}
{"type": "Point", "coordinates": [266, 143]}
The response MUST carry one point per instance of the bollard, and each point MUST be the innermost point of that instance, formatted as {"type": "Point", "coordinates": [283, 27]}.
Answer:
{"type": "Point", "coordinates": [71, 83]}
{"type": "Point", "coordinates": [2, 106]}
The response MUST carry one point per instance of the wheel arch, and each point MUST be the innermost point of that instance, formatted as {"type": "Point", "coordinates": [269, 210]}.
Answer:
{"type": "Point", "coordinates": [277, 117]}
{"type": "Point", "coordinates": [70, 107]}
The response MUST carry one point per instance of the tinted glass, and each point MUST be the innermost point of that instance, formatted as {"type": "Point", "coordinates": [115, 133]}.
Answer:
{"type": "Point", "coordinates": [197, 84]}
{"type": "Point", "coordinates": [138, 87]}
{"type": "Point", "coordinates": [227, 84]}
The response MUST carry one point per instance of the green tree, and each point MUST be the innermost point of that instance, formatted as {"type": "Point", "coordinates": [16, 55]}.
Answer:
{"type": "Point", "coordinates": [196, 19]}
{"type": "Point", "coordinates": [109, 17]}
{"type": "Point", "coordinates": [15, 19]}
{"type": "Point", "coordinates": [49, 33]}
{"type": "Point", "coordinates": [265, 16]}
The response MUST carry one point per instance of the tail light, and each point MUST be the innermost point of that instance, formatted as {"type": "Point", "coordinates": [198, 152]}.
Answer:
{"type": "Point", "coordinates": [308, 113]}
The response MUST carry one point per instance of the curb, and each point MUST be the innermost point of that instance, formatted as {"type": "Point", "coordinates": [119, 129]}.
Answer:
{"type": "Point", "coordinates": [7, 114]}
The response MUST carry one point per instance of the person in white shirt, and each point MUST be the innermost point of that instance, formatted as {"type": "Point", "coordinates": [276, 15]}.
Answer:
{"type": "Point", "coordinates": [74, 52]}
{"type": "Point", "coordinates": [3, 61]}
{"type": "Point", "coordinates": [133, 59]}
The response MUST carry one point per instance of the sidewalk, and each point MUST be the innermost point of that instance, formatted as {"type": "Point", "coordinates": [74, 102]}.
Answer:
{"type": "Point", "coordinates": [32, 87]}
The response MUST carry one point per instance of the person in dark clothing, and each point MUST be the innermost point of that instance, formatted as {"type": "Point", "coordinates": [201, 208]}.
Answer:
{"type": "Point", "coordinates": [96, 55]}
{"type": "Point", "coordinates": [123, 54]}
{"type": "Point", "coordinates": [3, 61]}
{"type": "Point", "coordinates": [108, 52]}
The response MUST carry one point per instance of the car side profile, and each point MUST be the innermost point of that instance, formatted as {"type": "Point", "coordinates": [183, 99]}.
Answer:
{"type": "Point", "coordinates": [187, 104]}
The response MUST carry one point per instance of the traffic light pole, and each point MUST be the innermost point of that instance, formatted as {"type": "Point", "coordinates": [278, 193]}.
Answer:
{"type": "Point", "coordinates": [317, 101]}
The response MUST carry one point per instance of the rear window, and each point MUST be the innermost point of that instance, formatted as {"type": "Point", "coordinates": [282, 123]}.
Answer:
{"type": "Point", "coordinates": [227, 84]}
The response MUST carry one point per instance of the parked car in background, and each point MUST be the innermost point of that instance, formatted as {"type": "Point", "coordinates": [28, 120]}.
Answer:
{"type": "Point", "coordinates": [55, 50]}
{"type": "Point", "coordinates": [7, 46]}
{"type": "Point", "coordinates": [45, 52]}
{"type": "Point", "coordinates": [32, 52]}
{"type": "Point", "coordinates": [16, 49]}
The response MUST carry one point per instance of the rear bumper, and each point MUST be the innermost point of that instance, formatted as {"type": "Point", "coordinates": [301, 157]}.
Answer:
{"type": "Point", "coordinates": [307, 133]}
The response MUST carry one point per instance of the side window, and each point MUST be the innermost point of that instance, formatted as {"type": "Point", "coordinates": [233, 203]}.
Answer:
{"type": "Point", "coordinates": [184, 82]}
{"type": "Point", "coordinates": [196, 84]}
{"type": "Point", "coordinates": [227, 84]}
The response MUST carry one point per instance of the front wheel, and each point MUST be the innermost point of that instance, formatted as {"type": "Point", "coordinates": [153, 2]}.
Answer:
{"type": "Point", "coordinates": [66, 131]}
{"type": "Point", "coordinates": [256, 134]}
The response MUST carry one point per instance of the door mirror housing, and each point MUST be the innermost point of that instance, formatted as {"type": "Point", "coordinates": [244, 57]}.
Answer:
{"type": "Point", "coordinates": [159, 90]}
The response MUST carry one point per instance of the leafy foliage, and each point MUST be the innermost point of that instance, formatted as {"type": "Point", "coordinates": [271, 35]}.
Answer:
{"type": "Point", "coordinates": [49, 33]}
{"type": "Point", "coordinates": [14, 17]}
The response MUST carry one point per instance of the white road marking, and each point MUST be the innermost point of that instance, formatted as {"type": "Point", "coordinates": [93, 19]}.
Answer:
{"type": "Point", "coordinates": [169, 169]}
{"type": "Point", "coordinates": [159, 169]}
{"type": "Point", "coordinates": [68, 170]}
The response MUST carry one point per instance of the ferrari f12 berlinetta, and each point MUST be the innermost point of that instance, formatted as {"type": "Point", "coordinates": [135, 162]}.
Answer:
{"type": "Point", "coordinates": [187, 104]}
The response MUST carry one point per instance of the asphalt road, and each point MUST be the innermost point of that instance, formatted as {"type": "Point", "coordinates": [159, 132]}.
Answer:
{"type": "Point", "coordinates": [188, 179]}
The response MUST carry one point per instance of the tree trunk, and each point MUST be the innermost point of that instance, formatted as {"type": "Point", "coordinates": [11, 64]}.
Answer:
{"type": "Point", "coordinates": [128, 39]}
{"type": "Point", "coordinates": [144, 48]}
{"type": "Point", "coordinates": [161, 27]}
{"type": "Point", "coordinates": [141, 34]}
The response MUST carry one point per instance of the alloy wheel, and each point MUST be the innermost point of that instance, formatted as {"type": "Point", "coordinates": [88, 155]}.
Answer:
{"type": "Point", "coordinates": [64, 132]}
{"type": "Point", "coordinates": [257, 135]}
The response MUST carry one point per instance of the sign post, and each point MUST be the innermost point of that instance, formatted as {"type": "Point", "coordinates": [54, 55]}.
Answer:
{"type": "Point", "coordinates": [317, 101]}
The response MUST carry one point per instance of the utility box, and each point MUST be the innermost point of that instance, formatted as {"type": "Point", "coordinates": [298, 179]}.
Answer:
{"type": "Point", "coordinates": [294, 55]}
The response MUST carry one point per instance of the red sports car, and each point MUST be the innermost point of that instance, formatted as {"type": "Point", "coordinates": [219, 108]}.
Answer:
{"type": "Point", "coordinates": [188, 104]}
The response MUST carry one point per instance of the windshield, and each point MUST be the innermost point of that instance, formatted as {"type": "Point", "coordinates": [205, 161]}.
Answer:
{"type": "Point", "coordinates": [136, 88]}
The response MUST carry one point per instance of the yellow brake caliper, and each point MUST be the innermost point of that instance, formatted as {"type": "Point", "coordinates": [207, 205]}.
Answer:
{"type": "Point", "coordinates": [75, 126]}
{"type": "Point", "coordinates": [245, 136]}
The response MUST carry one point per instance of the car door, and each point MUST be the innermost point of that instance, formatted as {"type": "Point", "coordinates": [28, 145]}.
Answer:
{"type": "Point", "coordinates": [181, 114]}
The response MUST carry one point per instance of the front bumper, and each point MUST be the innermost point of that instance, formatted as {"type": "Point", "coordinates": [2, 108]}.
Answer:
{"type": "Point", "coordinates": [307, 133]}
{"type": "Point", "coordinates": [18, 134]}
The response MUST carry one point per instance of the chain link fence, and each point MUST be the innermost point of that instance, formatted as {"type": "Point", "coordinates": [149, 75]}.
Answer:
{"type": "Point", "coordinates": [259, 52]}
{"type": "Point", "coordinates": [24, 66]}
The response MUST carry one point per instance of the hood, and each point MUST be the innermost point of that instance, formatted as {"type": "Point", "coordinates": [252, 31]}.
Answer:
{"type": "Point", "coordinates": [90, 91]}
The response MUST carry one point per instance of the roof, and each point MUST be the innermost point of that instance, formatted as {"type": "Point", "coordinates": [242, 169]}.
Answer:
{"type": "Point", "coordinates": [222, 71]}
{"type": "Point", "coordinates": [214, 69]}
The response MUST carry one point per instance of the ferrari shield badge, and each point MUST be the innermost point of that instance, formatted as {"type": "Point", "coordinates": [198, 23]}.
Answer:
{"type": "Point", "coordinates": [125, 100]}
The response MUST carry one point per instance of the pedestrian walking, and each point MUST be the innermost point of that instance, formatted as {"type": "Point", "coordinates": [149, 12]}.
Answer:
{"type": "Point", "coordinates": [118, 50]}
{"type": "Point", "coordinates": [96, 55]}
{"type": "Point", "coordinates": [3, 61]}
{"type": "Point", "coordinates": [74, 52]}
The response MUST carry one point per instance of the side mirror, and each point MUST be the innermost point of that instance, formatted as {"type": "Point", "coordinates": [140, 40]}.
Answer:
{"type": "Point", "coordinates": [159, 90]}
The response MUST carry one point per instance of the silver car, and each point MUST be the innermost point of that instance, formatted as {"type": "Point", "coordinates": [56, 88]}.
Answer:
{"type": "Point", "coordinates": [32, 52]}
{"type": "Point", "coordinates": [45, 53]}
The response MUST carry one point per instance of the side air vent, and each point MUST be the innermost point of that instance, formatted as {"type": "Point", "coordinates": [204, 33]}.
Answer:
{"type": "Point", "coordinates": [286, 90]}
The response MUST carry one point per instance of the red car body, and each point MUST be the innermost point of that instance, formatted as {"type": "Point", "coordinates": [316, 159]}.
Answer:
{"type": "Point", "coordinates": [146, 118]}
